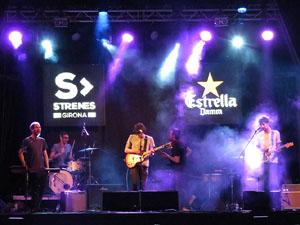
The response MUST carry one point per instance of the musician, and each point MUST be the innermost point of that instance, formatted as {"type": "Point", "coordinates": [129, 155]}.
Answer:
{"type": "Point", "coordinates": [137, 143]}
{"type": "Point", "coordinates": [33, 155]}
{"type": "Point", "coordinates": [61, 152]}
{"type": "Point", "coordinates": [177, 158]}
{"type": "Point", "coordinates": [267, 141]}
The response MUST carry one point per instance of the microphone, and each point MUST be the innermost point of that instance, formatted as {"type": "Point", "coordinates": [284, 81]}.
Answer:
{"type": "Point", "coordinates": [84, 131]}
{"type": "Point", "coordinates": [258, 129]}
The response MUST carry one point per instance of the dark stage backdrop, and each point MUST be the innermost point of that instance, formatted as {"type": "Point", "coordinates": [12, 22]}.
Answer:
{"type": "Point", "coordinates": [136, 96]}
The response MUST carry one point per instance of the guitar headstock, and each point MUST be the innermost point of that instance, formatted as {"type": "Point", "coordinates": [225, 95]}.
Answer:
{"type": "Point", "coordinates": [168, 145]}
{"type": "Point", "coordinates": [290, 144]}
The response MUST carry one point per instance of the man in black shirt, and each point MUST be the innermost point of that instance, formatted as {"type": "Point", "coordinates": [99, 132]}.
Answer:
{"type": "Point", "coordinates": [33, 155]}
{"type": "Point", "coordinates": [177, 159]}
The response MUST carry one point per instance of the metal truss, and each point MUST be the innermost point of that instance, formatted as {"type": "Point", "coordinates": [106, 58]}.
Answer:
{"type": "Point", "coordinates": [157, 15]}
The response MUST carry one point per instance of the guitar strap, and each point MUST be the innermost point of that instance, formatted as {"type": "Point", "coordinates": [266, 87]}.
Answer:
{"type": "Point", "coordinates": [272, 138]}
{"type": "Point", "coordinates": [145, 143]}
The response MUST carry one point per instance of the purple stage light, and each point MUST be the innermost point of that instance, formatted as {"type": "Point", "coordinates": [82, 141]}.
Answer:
{"type": "Point", "coordinates": [192, 65]}
{"type": "Point", "coordinates": [205, 35]}
{"type": "Point", "coordinates": [15, 38]}
{"type": "Point", "coordinates": [127, 38]}
{"type": "Point", "coordinates": [267, 35]}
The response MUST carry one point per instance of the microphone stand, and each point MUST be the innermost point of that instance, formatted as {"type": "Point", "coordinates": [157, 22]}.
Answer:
{"type": "Point", "coordinates": [88, 173]}
{"type": "Point", "coordinates": [242, 154]}
{"type": "Point", "coordinates": [85, 134]}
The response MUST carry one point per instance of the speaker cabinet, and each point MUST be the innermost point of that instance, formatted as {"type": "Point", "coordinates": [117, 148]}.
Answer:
{"type": "Point", "coordinates": [121, 201]}
{"type": "Point", "coordinates": [73, 201]}
{"type": "Point", "coordinates": [290, 196]}
{"type": "Point", "coordinates": [140, 200]}
{"type": "Point", "coordinates": [261, 201]}
{"type": "Point", "coordinates": [95, 194]}
{"type": "Point", "coordinates": [159, 200]}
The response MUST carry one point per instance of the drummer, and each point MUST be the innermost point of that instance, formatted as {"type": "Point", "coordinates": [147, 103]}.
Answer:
{"type": "Point", "coordinates": [61, 153]}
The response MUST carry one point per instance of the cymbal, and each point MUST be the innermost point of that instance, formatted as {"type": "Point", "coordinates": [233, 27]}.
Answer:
{"type": "Point", "coordinates": [89, 149]}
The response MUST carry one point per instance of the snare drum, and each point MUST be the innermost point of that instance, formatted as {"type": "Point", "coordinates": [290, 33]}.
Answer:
{"type": "Point", "coordinates": [59, 182]}
{"type": "Point", "coordinates": [75, 166]}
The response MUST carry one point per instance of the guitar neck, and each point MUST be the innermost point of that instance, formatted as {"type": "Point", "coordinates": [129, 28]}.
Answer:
{"type": "Point", "coordinates": [154, 150]}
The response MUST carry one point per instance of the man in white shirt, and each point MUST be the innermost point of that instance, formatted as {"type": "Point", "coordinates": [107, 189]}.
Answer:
{"type": "Point", "coordinates": [138, 143]}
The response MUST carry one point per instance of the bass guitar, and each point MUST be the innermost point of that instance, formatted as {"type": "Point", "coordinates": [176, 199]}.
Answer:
{"type": "Point", "coordinates": [268, 153]}
{"type": "Point", "coordinates": [132, 159]}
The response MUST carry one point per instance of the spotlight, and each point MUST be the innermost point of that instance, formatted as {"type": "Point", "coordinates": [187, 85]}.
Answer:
{"type": "Point", "coordinates": [47, 45]}
{"type": "Point", "coordinates": [192, 65]}
{"type": "Point", "coordinates": [167, 70]}
{"type": "Point", "coordinates": [127, 38]}
{"type": "Point", "coordinates": [267, 35]}
{"type": "Point", "coordinates": [205, 35]}
{"type": "Point", "coordinates": [237, 42]}
{"type": "Point", "coordinates": [15, 38]}
{"type": "Point", "coordinates": [242, 9]}
{"type": "Point", "coordinates": [106, 44]}
{"type": "Point", "coordinates": [103, 13]}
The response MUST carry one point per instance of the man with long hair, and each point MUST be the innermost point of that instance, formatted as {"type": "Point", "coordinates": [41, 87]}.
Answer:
{"type": "Point", "coordinates": [138, 143]}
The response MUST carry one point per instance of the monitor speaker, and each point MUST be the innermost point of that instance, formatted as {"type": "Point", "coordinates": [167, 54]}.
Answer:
{"type": "Point", "coordinates": [95, 194]}
{"type": "Point", "coordinates": [159, 200]}
{"type": "Point", "coordinates": [121, 201]}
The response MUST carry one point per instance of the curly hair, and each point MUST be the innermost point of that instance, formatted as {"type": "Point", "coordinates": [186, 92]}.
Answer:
{"type": "Point", "coordinates": [139, 128]}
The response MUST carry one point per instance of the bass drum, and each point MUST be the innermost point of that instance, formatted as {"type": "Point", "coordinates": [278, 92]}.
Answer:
{"type": "Point", "coordinates": [59, 182]}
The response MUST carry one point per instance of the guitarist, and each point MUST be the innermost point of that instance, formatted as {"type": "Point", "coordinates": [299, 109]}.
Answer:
{"type": "Point", "coordinates": [267, 141]}
{"type": "Point", "coordinates": [137, 143]}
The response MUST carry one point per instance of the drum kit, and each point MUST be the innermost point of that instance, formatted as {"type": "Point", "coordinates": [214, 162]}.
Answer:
{"type": "Point", "coordinates": [75, 175]}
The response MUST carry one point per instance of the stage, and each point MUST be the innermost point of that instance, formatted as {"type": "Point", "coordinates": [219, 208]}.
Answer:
{"type": "Point", "coordinates": [151, 218]}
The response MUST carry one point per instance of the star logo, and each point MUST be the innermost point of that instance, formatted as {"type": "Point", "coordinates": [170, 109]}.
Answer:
{"type": "Point", "coordinates": [210, 86]}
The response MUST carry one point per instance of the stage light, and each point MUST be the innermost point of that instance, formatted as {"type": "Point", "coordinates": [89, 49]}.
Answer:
{"type": "Point", "coordinates": [168, 69]}
{"type": "Point", "coordinates": [116, 65]}
{"type": "Point", "coordinates": [242, 9]}
{"type": "Point", "coordinates": [267, 35]}
{"type": "Point", "coordinates": [102, 26]}
{"type": "Point", "coordinates": [205, 35]}
{"type": "Point", "coordinates": [193, 64]}
{"type": "Point", "coordinates": [106, 44]}
{"type": "Point", "coordinates": [127, 38]}
{"type": "Point", "coordinates": [237, 42]}
{"type": "Point", "coordinates": [15, 38]}
{"type": "Point", "coordinates": [103, 14]}
{"type": "Point", "coordinates": [47, 45]}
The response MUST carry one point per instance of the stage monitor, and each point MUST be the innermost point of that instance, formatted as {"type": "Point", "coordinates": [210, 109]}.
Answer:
{"type": "Point", "coordinates": [73, 95]}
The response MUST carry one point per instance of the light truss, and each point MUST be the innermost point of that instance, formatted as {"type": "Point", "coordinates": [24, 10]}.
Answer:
{"type": "Point", "coordinates": [157, 15]}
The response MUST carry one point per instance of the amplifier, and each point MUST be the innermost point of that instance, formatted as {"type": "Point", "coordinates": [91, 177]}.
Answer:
{"type": "Point", "coordinates": [290, 196]}
{"type": "Point", "coordinates": [73, 201]}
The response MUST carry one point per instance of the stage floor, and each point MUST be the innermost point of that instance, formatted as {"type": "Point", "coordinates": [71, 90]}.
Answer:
{"type": "Point", "coordinates": [151, 218]}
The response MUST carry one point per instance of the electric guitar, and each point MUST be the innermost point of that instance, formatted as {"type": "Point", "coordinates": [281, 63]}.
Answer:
{"type": "Point", "coordinates": [132, 159]}
{"type": "Point", "coordinates": [267, 153]}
